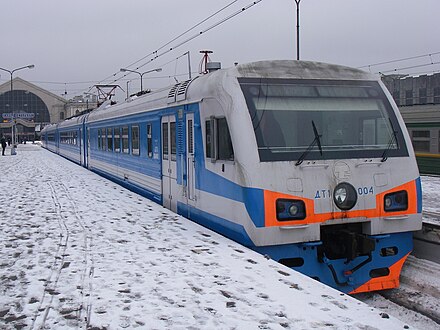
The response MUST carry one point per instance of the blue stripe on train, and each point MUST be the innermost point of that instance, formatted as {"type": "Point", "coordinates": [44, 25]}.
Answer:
{"type": "Point", "coordinates": [227, 228]}
{"type": "Point", "coordinates": [419, 195]}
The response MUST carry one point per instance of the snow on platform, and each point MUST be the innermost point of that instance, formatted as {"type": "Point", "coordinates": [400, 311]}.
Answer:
{"type": "Point", "coordinates": [78, 251]}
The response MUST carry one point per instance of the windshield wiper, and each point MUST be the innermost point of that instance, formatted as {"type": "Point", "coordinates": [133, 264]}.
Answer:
{"type": "Point", "coordinates": [316, 140]}
{"type": "Point", "coordinates": [390, 144]}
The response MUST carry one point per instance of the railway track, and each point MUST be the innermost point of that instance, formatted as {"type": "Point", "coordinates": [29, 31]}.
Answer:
{"type": "Point", "coordinates": [417, 299]}
{"type": "Point", "coordinates": [427, 240]}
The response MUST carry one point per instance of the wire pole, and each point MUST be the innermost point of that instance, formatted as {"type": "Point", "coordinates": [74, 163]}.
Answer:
{"type": "Point", "coordinates": [297, 28]}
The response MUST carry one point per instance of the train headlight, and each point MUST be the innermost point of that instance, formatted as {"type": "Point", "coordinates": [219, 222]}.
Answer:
{"type": "Point", "coordinates": [345, 196]}
{"type": "Point", "coordinates": [290, 209]}
{"type": "Point", "coordinates": [397, 201]}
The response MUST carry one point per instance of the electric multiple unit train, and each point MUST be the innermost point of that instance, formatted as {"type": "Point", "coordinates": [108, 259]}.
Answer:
{"type": "Point", "coordinates": [306, 162]}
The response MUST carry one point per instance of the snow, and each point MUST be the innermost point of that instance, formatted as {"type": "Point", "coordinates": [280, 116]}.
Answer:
{"type": "Point", "coordinates": [78, 251]}
{"type": "Point", "coordinates": [431, 203]}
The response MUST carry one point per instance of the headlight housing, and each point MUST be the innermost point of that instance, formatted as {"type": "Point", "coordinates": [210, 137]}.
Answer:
{"type": "Point", "coordinates": [345, 196]}
{"type": "Point", "coordinates": [290, 209]}
{"type": "Point", "coordinates": [396, 201]}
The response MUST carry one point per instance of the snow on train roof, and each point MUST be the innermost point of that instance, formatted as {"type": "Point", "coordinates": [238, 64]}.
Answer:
{"type": "Point", "coordinates": [211, 83]}
{"type": "Point", "coordinates": [301, 70]}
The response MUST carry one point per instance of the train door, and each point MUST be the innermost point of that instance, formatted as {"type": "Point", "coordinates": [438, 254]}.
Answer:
{"type": "Point", "coordinates": [87, 148]}
{"type": "Point", "coordinates": [81, 144]}
{"type": "Point", "coordinates": [169, 163]}
{"type": "Point", "coordinates": [190, 160]}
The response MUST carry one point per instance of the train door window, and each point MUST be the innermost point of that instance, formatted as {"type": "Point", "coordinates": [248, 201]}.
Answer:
{"type": "Point", "coordinates": [109, 139]}
{"type": "Point", "coordinates": [165, 151]}
{"type": "Point", "coordinates": [99, 140]}
{"type": "Point", "coordinates": [421, 140]}
{"type": "Point", "coordinates": [117, 134]}
{"type": "Point", "coordinates": [104, 139]}
{"type": "Point", "coordinates": [125, 144]}
{"type": "Point", "coordinates": [190, 137]}
{"type": "Point", "coordinates": [135, 140]}
{"type": "Point", "coordinates": [149, 141]}
{"type": "Point", "coordinates": [173, 141]}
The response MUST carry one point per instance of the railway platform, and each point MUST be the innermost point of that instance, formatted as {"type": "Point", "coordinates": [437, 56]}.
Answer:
{"type": "Point", "coordinates": [78, 251]}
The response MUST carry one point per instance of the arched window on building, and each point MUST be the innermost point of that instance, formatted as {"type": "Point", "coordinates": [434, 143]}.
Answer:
{"type": "Point", "coordinates": [61, 115]}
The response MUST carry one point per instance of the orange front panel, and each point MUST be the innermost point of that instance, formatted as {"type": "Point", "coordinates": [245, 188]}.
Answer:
{"type": "Point", "coordinates": [271, 197]}
{"type": "Point", "coordinates": [384, 282]}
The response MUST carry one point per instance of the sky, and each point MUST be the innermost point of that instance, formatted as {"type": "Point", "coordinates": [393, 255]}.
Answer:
{"type": "Point", "coordinates": [76, 44]}
{"type": "Point", "coordinates": [78, 250]}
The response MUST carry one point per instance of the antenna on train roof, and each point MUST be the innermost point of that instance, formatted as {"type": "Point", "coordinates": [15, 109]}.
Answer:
{"type": "Point", "coordinates": [206, 65]}
{"type": "Point", "coordinates": [205, 60]}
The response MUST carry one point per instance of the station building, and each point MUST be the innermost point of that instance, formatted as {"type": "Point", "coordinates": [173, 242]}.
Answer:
{"type": "Point", "coordinates": [418, 99]}
{"type": "Point", "coordinates": [32, 107]}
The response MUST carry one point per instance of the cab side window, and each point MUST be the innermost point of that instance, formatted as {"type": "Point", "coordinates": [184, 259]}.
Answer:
{"type": "Point", "coordinates": [218, 140]}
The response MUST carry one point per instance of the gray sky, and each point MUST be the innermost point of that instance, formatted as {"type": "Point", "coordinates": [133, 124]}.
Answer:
{"type": "Point", "coordinates": [89, 40]}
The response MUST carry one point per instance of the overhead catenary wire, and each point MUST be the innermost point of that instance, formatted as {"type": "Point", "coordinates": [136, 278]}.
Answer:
{"type": "Point", "coordinates": [156, 53]}
{"type": "Point", "coordinates": [183, 33]}
{"type": "Point", "coordinates": [408, 67]}
{"type": "Point", "coordinates": [399, 60]}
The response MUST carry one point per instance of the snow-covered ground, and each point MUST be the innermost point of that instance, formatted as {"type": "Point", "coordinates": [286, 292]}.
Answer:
{"type": "Point", "coordinates": [78, 251]}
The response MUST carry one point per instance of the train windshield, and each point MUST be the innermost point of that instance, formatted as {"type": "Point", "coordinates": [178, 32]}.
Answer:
{"type": "Point", "coordinates": [324, 119]}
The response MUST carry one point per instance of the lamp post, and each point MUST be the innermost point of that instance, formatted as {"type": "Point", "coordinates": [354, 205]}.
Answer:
{"type": "Point", "coordinates": [14, 128]}
{"type": "Point", "coordinates": [141, 74]}
{"type": "Point", "coordinates": [297, 28]}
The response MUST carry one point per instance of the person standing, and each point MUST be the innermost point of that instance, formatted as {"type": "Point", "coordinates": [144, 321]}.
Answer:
{"type": "Point", "coordinates": [3, 143]}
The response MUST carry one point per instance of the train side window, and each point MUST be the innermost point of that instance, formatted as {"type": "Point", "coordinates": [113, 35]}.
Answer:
{"type": "Point", "coordinates": [135, 140]}
{"type": "Point", "coordinates": [109, 139]}
{"type": "Point", "coordinates": [218, 140]}
{"type": "Point", "coordinates": [149, 141]}
{"type": "Point", "coordinates": [99, 139]}
{"type": "Point", "coordinates": [125, 144]}
{"type": "Point", "coordinates": [421, 140]}
{"type": "Point", "coordinates": [104, 139]}
{"type": "Point", "coordinates": [117, 133]}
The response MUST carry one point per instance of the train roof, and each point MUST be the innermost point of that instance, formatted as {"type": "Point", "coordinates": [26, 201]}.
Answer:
{"type": "Point", "coordinates": [289, 69]}
{"type": "Point", "coordinates": [213, 83]}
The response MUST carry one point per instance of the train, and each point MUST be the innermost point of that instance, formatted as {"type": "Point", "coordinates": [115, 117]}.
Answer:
{"type": "Point", "coordinates": [423, 124]}
{"type": "Point", "coordinates": [305, 162]}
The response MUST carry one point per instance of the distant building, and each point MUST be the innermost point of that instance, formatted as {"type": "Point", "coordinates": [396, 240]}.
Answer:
{"type": "Point", "coordinates": [418, 99]}
{"type": "Point", "coordinates": [32, 107]}
{"type": "Point", "coordinates": [410, 91]}
{"type": "Point", "coordinates": [80, 104]}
